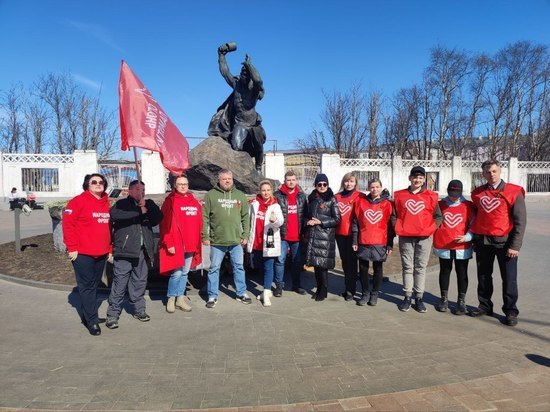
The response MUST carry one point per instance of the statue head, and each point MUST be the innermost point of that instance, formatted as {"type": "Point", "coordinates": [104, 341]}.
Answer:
{"type": "Point", "coordinates": [245, 75]}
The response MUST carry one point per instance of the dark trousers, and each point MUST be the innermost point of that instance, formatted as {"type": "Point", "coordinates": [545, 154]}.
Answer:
{"type": "Point", "coordinates": [88, 271]}
{"type": "Point", "coordinates": [349, 262]}
{"type": "Point", "coordinates": [485, 256]}
{"type": "Point", "coordinates": [445, 269]}
{"type": "Point", "coordinates": [321, 276]}
{"type": "Point", "coordinates": [128, 274]}
{"type": "Point", "coordinates": [377, 278]}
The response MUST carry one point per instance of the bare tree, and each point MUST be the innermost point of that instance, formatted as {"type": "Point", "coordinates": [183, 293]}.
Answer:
{"type": "Point", "coordinates": [444, 78]}
{"type": "Point", "coordinates": [12, 132]}
{"type": "Point", "coordinates": [343, 128]}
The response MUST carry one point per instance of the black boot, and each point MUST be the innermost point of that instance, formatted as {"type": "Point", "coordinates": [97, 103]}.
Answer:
{"type": "Point", "coordinates": [322, 285]}
{"type": "Point", "coordinates": [461, 304]}
{"type": "Point", "coordinates": [278, 290]}
{"type": "Point", "coordinates": [443, 303]}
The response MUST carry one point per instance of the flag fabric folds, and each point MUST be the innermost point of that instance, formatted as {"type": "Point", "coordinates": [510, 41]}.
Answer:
{"type": "Point", "coordinates": [144, 124]}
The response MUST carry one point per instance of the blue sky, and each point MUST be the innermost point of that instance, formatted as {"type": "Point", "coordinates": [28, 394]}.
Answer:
{"type": "Point", "coordinates": [299, 47]}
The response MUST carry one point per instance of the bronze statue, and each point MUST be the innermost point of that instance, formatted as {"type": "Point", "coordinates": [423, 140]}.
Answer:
{"type": "Point", "coordinates": [236, 120]}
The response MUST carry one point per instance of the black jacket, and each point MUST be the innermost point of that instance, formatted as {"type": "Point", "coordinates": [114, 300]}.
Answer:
{"type": "Point", "coordinates": [301, 204]}
{"type": "Point", "coordinates": [319, 240]}
{"type": "Point", "coordinates": [129, 225]}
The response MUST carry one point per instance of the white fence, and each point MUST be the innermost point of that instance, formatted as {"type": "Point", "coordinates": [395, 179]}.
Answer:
{"type": "Point", "coordinates": [57, 176]}
{"type": "Point", "coordinates": [394, 173]}
{"type": "Point", "coordinates": [54, 176]}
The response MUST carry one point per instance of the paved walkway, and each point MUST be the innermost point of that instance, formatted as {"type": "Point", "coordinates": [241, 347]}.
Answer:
{"type": "Point", "coordinates": [297, 354]}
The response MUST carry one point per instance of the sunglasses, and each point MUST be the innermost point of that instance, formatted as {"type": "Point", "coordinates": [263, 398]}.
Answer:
{"type": "Point", "coordinates": [97, 182]}
{"type": "Point", "coordinates": [322, 184]}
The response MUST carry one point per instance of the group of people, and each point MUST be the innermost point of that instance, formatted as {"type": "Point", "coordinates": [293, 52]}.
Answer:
{"type": "Point", "coordinates": [287, 223]}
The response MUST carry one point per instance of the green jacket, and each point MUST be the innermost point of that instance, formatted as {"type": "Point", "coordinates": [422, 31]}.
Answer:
{"type": "Point", "coordinates": [225, 216]}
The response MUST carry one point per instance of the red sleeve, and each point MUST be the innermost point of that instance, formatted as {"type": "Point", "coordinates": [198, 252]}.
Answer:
{"type": "Point", "coordinates": [166, 237]}
{"type": "Point", "coordinates": [69, 225]}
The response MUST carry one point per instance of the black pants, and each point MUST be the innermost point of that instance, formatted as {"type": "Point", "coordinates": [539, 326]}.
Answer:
{"type": "Point", "coordinates": [321, 276]}
{"type": "Point", "coordinates": [349, 262]}
{"type": "Point", "coordinates": [378, 275]}
{"type": "Point", "coordinates": [88, 271]}
{"type": "Point", "coordinates": [445, 269]}
{"type": "Point", "coordinates": [485, 256]}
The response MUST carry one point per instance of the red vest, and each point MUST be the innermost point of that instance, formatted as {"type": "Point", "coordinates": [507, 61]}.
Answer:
{"type": "Point", "coordinates": [415, 213]}
{"type": "Point", "coordinates": [456, 220]}
{"type": "Point", "coordinates": [345, 204]}
{"type": "Point", "coordinates": [493, 209]}
{"type": "Point", "coordinates": [372, 220]}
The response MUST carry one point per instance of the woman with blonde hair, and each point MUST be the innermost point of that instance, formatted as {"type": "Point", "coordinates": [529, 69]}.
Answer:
{"type": "Point", "coordinates": [346, 198]}
{"type": "Point", "coordinates": [266, 217]}
{"type": "Point", "coordinates": [372, 238]}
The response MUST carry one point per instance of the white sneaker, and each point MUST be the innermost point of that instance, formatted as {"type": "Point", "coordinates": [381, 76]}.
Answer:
{"type": "Point", "coordinates": [266, 297]}
{"type": "Point", "coordinates": [211, 303]}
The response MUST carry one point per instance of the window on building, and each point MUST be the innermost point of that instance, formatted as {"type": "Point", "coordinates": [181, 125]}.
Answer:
{"type": "Point", "coordinates": [363, 178]}
{"type": "Point", "coordinates": [538, 183]}
{"type": "Point", "coordinates": [40, 180]}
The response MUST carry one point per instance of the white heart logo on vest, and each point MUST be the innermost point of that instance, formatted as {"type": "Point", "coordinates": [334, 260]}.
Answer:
{"type": "Point", "coordinates": [489, 203]}
{"type": "Point", "coordinates": [415, 207]}
{"type": "Point", "coordinates": [452, 220]}
{"type": "Point", "coordinates": [344, 208]}
{"type": "Point", "coordinates": [372, 216]}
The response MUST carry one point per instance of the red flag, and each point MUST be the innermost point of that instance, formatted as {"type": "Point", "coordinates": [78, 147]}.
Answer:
{"type": "Point", "coordinates": [144, 124]}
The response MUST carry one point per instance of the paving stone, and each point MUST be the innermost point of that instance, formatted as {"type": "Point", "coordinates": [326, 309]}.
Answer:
{"type": "Point", "coordinates": [238, 354]}
{"type": "Point", "coordinates": [358, 403]}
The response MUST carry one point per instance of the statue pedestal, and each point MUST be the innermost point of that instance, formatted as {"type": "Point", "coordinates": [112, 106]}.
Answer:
{"type": "Point", "coordinates": [214, 154]}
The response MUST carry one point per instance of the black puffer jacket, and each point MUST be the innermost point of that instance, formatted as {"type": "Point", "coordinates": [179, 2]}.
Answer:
{"type": "Point", "coordinates": [319, 240]}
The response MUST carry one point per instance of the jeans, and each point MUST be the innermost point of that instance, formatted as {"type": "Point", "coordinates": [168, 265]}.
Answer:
{"type": "Point", "coordinates": [178, 279]}
{"type": "Point", "coordinates": [266, 264]}
{"type": "Point", "coordinates": [296, 263]}
{"type": "Point", "coordinates": [217, 254]}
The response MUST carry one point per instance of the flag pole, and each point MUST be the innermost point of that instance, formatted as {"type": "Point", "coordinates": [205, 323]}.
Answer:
{"type": "Point", "coordinates": [138, 168]}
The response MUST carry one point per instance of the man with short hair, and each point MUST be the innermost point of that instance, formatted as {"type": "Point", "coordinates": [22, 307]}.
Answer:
{"type": "Point", "coordinates": [499, 228]}
{"type": "Point", "coordinates": [293, 203]}
{"type": "Point", "coordinates": [133, 219]}
{"type": "Point", "coordinates": [226, 228]}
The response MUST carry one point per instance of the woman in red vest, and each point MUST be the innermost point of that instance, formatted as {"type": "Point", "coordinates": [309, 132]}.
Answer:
{"type": "Point", "coordinates": [346, 197]}
{"type": "Point", "coordinates": [453, 241]}
{"type": "Point", "coordinates": [180, 242]}
{"type": "Point", "coordinates": [372, 238]}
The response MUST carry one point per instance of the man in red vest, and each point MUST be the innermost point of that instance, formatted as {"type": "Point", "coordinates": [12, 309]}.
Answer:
{"type": "Point", "coordinates": [499, 228]}
{"type": "Point", "coordinates": [416, 217]}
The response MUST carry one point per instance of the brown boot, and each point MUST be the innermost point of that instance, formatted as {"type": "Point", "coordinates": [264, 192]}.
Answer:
{"type": "Point", "coordinates": [170, 305]}
{"type": "Point", "coordinates": [181, 303]}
